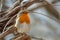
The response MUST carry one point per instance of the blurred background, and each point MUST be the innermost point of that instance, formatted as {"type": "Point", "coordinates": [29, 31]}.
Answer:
{"type": "Point", "coordinates": [41, 26]}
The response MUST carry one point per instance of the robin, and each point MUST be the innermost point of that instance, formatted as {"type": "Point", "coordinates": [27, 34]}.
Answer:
{"type": "Point", "coordinates": [23, 22]}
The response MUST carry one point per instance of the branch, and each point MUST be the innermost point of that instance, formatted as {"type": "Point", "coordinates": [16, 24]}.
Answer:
{"type": "Point", "coordinates": [10, 21]}
{"type": "Point", "coordinates": [8, 31]}
{"type": "Point", "coordinates": [51, 9]}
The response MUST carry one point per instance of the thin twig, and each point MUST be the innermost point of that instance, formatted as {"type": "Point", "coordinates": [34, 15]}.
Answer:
{"type": "Point", "coordinates": [8, 31]}
{"type": "Point", "coordinates": [55, 1]}
{"type": "Point", "coordinates": [33, 37]}
{"type": "Point", "coordinates": [4, 19]}
{"type": "Point", "coordinates": [16, 9]}
{"type": "Point", "coordinates": [37, 38]}
{"type": "Point", "coordinates": [46, 16]}
{"type": "Point", "coordinates": [1, 5]}
{"type": "Point", "coordinates": [12, 12]}
{"type": "Point", "coordinates": [13, 6]}
{"type": "Point", "coordinates": [38, 6]}
{"type": "Point", "coordinates": [51, 9]}
{"type": "Point", "coordinates": [9, 22]}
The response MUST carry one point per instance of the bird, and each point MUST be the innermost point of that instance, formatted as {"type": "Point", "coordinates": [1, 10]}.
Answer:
{"type": "Point", "coordinates": [23, 22]}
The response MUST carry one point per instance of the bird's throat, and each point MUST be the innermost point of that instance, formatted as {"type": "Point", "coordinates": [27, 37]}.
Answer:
{"type": "Point", "coordinates": [24, 18]}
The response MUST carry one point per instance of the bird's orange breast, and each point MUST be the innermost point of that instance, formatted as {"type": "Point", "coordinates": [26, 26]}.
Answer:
{"type": "Point", "coordinates": [24, 18]}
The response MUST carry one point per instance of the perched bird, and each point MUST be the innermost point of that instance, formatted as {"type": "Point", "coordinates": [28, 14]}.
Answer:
{"type": "Point", "coordinates": [23, 22]}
